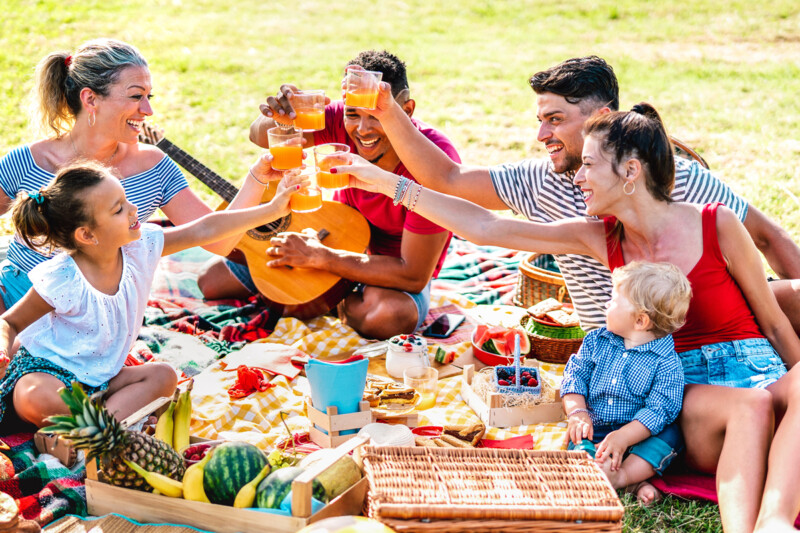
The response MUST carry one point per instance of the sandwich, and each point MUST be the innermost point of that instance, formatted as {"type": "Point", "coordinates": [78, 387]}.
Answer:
{"type": "Point", "coordinates": [467, 434]}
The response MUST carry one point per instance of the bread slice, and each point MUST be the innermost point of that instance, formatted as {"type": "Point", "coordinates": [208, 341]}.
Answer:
{"type": "Point", "coordinates": [562, 318]}
{"type": "Point", "coordinates": [544, 307]}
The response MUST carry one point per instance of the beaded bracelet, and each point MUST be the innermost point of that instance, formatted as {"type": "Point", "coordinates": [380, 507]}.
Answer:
{"type": "Point", "coordinates": [576, 411]}
{"type": "Point", "coordinates": [401, 192]}
{"type": "Point", "coordinates": [413, 204]}
{"type": "Point", "coordinates": [406, 190]}
{"type": "Point", "coordinates": [397, 189]}
{"type": "Point", "coordinates": [255, 178]}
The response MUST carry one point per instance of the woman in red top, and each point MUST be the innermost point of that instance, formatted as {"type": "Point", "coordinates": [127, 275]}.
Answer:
{"type": "Point", "coordinates": [736, 335]}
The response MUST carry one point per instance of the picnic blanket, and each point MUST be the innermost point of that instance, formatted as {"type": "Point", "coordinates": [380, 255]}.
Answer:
{"type": "Point", "coordinates": [195, 336]}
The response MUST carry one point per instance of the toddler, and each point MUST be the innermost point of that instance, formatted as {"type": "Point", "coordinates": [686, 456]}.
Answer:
{"type": "Point", "coordinates": [623, 390]}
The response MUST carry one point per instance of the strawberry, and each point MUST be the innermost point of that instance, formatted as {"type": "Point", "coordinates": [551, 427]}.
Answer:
{"type": "Point", "coordinates": [532, 382]}
{"type": "Point", "coordinates": [503, 383]}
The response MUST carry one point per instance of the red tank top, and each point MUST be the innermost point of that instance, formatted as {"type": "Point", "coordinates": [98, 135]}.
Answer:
{"type": "Point", "coordinates": [718, 311]}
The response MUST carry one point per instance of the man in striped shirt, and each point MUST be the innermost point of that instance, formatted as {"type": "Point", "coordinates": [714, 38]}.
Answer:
{"type": "Point", "coordinates": [542, 189]}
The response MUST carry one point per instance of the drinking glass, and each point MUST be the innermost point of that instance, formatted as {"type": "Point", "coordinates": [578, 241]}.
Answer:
{"type": "Point", "coordinates": [286, 147]}
{"type": "Point", "coordinates": [309, 198]}
{"type": "Point", "coordinates": [328, 156]}
{"type": "Point", "coordinates": [361, 88]}
{"type": "Point", "coordinates": [310, 109]}
{"type": "Point", "coordinates": [423, 379]}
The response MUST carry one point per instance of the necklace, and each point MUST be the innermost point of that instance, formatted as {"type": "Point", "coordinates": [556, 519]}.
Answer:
{"type": "Point", "coordinates": [78, 154]}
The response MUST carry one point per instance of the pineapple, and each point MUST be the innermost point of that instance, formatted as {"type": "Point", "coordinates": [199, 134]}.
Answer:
{"type": "Point", "coordinates": [92, 428]}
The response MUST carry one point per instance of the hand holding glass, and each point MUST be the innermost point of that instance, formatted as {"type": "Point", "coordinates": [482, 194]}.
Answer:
{"type": "Point", "coordinates": [309, 198]}
{"type": "Point", "coordinates": [328, 156]}
{"type": "Point", "coordinates": [361, 88]}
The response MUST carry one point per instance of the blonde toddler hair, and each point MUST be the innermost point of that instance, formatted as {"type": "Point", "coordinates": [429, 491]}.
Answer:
{"type": "Point", "coordinates": [659, 290]}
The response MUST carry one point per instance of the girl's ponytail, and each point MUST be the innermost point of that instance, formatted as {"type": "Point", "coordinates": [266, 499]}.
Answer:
{"type": "Point", "coordinates": [30, 219]}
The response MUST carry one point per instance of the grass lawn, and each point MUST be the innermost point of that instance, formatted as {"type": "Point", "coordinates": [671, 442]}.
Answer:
{"type": "Point", "coordinates": [724, 74]}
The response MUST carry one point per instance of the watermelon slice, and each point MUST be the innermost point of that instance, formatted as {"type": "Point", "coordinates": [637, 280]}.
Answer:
{"type": "Point", "coordinates": [497, 332]}
{"type": "Point", "coordinates": [481, 335]}
{"type": "Point", "coordinates": [524, 341]}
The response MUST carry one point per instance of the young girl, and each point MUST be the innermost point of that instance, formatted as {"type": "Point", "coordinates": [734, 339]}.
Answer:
{"type": "Point", "coordinates": [623, 389]}
{"type": "Point", "coordinates": [78, 321]}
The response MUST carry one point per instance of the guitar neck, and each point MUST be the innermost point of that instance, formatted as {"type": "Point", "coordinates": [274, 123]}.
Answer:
{"type": "Point", "coordinates": [214, 181]}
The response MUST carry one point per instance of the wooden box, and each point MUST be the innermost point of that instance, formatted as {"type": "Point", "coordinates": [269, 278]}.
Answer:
{"type": "Point", "coordinates": [334, 423]}
{"type": "Point", "coordinates": [495, 415]}
{"type": "Point", "coordinates": [102, 498]}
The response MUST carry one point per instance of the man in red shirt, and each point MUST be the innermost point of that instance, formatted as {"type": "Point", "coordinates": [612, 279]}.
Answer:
{"type": "Point", "coordinates": [405, 251]}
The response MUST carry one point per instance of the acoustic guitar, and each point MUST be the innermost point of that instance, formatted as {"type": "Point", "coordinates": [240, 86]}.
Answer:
{"type": "Point", "coordinates": [304, 292]}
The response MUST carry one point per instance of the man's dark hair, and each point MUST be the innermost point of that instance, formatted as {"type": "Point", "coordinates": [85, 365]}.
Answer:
{"type": "Point", "coordinates": [394, 70]}
{"type": "Point", "coordinates": [580, 79]}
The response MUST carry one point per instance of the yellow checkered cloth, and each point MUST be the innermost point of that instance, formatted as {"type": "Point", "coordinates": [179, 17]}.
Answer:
{"type": "Point", "coordinates": [256, 418]}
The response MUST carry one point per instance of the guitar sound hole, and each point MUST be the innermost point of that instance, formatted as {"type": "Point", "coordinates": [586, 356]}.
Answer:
{"type": "Point", "coordinates": [267, 231]}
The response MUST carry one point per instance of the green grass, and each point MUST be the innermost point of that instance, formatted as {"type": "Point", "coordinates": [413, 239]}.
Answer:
{"type": "Point", "coordinates": [724, 74]}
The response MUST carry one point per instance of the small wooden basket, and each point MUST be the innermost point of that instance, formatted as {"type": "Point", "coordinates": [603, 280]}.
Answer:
{"type": "Point", "coordinates": [550, 350]}
{"type": "Point", "coordinates": [536, 284]}
{"type": "Point", "coordinates": [487, 489]}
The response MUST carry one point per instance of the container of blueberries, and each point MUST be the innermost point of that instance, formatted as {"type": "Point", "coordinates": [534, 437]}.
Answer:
{"type": "Point", "coordinates": [517, 379]}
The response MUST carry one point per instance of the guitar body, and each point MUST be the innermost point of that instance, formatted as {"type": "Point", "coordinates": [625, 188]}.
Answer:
{"type": "Point", "coordinates": [300, 292]}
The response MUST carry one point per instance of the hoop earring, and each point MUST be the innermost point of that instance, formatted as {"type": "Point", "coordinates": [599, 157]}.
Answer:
{"type": "Point", "coordinates": [626, 190]}
{"type": "Point", "coordinates": [92, 119]}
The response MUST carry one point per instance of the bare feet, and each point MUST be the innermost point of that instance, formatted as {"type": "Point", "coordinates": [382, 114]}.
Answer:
{"type": "Point", "coordinates": [647, 493]}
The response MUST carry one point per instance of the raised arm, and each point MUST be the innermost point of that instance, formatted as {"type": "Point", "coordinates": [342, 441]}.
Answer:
{"type": "Point", "coordinates": [223, 224]}
{"type": "Point", "coordinates": [479, 225]}
{"type": "Point", "coordinates": [746, 268]}
{"type": "Point", "coordinates": [782, 254]}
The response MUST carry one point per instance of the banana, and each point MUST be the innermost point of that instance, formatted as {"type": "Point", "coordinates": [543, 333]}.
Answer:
{"type": "Point", "coordinates": [165, 485]}
{"type": "Point", "coordinates": [164, 425]}
{"type": "Point", "coordinates": [183, 419]}
{"type": "Point", "coordinates": [247, 494]}
{"type": "Point", "coordinates": [193, 480]}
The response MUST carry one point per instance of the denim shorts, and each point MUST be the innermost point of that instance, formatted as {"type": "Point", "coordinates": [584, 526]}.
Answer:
{"type": "Point", "coordinates": [14, 283]}
{"type": "Point", "coordinates": [749, 363]}
{"type": "Point", "coordinates": [422, 300]}
{"type": "Point", "coordinates": [658, 450]}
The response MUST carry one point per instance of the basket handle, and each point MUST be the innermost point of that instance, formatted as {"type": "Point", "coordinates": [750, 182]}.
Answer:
{"type": "Point", "coordinates": [562, 291]}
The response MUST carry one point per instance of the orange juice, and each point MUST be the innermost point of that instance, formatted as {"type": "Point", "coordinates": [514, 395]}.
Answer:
{"type": "Point", "coordinates": [326, 180]}
{"type": "Point", "coordinates": [359, 98]}
{"type": "Point", "coordinates": [286, 157]}
{"type": "Point", "coordinates": [305, 200]}
{"type": "Point", "coordinates": [427, 400]}
{"type": "Point", "coordinates": [310, 119]}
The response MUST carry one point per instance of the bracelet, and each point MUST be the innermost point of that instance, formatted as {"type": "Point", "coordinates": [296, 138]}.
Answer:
{"type": "Point", "coordinates": [406, 189]}
{"type": "Point", "coordinates": [400, 191]}
{"type": "Point", "coordinates": [413, 204]}
{"type": "Point", "coordinates": [576, 411]}
{"type": "Point", "coordinates": [250, 171]}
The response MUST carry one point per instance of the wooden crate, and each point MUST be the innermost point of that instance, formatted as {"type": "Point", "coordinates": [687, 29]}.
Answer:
{"type": "Point", "coordinates": [102, 498]}
{"type": "Point", "coordinates": [334, 423]}
{"type": "Point", "coordinates": [495, 415]}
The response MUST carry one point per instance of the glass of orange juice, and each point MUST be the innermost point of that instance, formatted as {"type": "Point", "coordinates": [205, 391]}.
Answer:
{"type": "Point", "coordinates": [309, 198]}
{"type": "Point", "coordinates": [310, 109]}
{"type": "Point", "coordinates": [423, 379]}
{"type": "Point", "coordinates": [328, 156]}
{"type": "Point", "coordinates": [286, 147]}
{"type": "Point", "coordinates": [361, 88]}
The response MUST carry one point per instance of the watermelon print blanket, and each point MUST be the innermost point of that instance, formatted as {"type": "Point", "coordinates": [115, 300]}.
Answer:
{"type": "Point", "coordinates": [192, 334]}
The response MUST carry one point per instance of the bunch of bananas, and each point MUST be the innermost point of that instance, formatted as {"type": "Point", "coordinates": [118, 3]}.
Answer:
{"type": "Point", "coordinates": [174, 423]}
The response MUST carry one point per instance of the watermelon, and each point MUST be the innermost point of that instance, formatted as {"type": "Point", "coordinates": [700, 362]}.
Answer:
{"type": "Point", "coordinates": [524, 342]}
{"type": "Point", "coordinates": [273, 490]}
{"type": "Point", "coordinates": [481, 335]}
{"type": "Point", "coordinates": [233, 465]}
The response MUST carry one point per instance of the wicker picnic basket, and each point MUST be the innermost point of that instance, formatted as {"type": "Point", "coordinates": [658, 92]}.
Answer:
{"type": "Point", "coordinates": [536, 283]}
{"type": "Point", "coordinates": [426, 489]}
{"type": "Point", "coordinates": [546, 345]}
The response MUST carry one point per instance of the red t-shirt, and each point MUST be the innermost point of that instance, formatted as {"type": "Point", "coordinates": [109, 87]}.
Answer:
{"type": "Point", "coordinates": [387, 221]}
{"type": "Point", "coordinates": [718, 311]}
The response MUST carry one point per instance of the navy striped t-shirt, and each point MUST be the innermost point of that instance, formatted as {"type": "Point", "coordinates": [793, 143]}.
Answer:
{"type": "Point", "coordinates": [148, 191]}
{"type": "Point", "coordinates": [533, 189]}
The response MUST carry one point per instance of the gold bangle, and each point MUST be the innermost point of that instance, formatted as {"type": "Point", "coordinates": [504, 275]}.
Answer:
{"type": "Point", "coordinates": [250, 171]}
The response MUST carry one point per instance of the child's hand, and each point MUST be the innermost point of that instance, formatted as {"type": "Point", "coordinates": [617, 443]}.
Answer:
{"type": "Point", "coordinates": [262, 170]}
{"type": "Point", "coordinates": [292, 182]}
{"type": "Point", "coordinates": [4, 362]}
{"type": "Point", "coordinates": [614, 445]}
{"type": "Point", "coordinates": [579, 427]}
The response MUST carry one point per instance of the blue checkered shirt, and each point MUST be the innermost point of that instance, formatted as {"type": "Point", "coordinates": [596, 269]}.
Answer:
{"type": "Point", "coordinates": [620, 385]}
